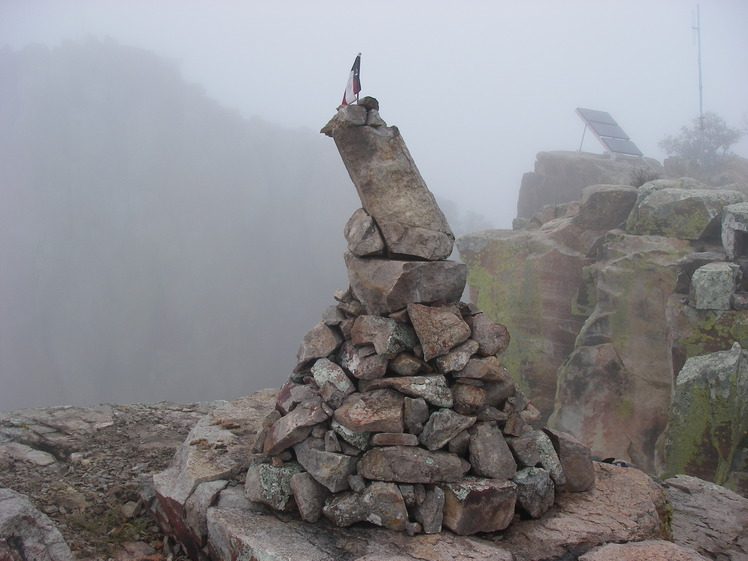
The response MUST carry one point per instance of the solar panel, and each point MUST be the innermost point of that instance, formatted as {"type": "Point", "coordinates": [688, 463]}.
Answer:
{"type": "Point", "coordinates": [607, 131]}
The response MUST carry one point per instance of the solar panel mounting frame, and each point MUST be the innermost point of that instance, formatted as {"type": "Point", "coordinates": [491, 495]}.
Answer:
{"type": "Point", "coordinates": [608, 132]}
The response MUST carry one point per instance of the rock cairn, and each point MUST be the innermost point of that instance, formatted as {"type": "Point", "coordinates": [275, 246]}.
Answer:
{"type": "Point", "coordinates": [399, 411]}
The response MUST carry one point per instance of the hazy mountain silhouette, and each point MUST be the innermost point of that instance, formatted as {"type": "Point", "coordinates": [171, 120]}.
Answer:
{"type": "Point", "coordinates": [153, 244]}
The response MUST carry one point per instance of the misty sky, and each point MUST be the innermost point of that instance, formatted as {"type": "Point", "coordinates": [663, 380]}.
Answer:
{"type": "Point", "coordinates": [476, 87]}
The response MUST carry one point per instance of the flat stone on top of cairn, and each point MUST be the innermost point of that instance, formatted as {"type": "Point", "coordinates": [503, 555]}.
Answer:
{"type": "Point", "coordinates": [399, 412]}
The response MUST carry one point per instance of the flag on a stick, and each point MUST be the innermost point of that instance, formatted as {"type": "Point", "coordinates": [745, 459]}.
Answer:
{"type": "Point", "coordinates": [354, 83]}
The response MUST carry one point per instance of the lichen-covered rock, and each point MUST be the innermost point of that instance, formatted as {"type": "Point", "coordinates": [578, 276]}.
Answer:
{"type": "Point", "coordinates": [442, 426]}
{"type": "Point", "coordinates": [734, 229]}
{"type": "Point", "coordinates": [332, 381]}
{"type": "Point", "coordinates": [709, 417]}
{"type": "Point", "coordinates": [380, 503]}
{"type": "Point", "coordinates": [534, 449]}
{"type": "Point", "coordinates": [362, 362]}
{"type": "Point", "coordinates": [271, 485]}
{"type": "Point", "coordinates": [535, 491]}
{"type": "Point", "coordinates": [682, 209]}
{"type": "Point", "coordinates": [713, 285]}
{"type": "Point", "coordinates": [388, 336]}
{"type": "Point", "coordinates": [475, 505]}
{"type": "Point", "coordinates": [432, 388]}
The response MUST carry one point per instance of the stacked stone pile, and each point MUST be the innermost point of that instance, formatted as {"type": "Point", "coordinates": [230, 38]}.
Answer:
{"type": "Point", "coordinates": [399, 411]}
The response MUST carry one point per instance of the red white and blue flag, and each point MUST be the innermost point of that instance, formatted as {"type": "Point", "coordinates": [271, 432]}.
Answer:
{"type": "Point", "coordinates": [354, 83]}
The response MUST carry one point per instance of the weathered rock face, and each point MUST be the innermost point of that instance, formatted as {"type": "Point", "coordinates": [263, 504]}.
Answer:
{"type": "Point", "coordinates": [559, 177]}
{"type": "Point", "coordinates": [707, 518]}
{"type": "Point", "coordinates": [709, 419]}
{"type": "Point", "coordinates": [26, 533]}
{"type": "Point", "coordinates": [683, 208]}
{"type": "Point", "coordinates": [606, 318]}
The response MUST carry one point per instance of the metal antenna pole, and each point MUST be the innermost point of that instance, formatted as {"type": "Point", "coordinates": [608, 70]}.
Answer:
{"type": "Point", "coordinates": [697, 28]}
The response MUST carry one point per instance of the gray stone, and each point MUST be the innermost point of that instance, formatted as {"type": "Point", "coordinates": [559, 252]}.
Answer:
{"type": "Point", "coordinates": [708, 417]}
{"type": "Point", "coordinates": [309, 496]}
{"type": "Point", "coordinates": [407, 364]}
{"type": "Point", "coordinates": [535, 491]}
{"type": "Point", "coordinates": [439, 328]}
{"type": "Point", "coordinates": [328, 468]}
{"type": "Point", "coordinates": [393, 192]}
{"type": "Point", "coordinates": [708, 518]}
{"type": "Point", "coordinates": [332, 381]}
{"type": "Point", "coordinates": [460, 444]}
{"type": "Point", "coordinates": [468, 398]}
{"type": "Point", "coordinates": [713, 285]}
{"type": "Point", "coordinates": [492, 338]}
{"type": "Point", "coordinates": [535, 449]}
{"type": "Point", "coordinates": [333, 316]}
{"type": "Point", "coordinates": [291, 394]}
{"type": "Point", "coordinates": [374, 411]}
{"type": "Point", "coordinates": [238, 534]}
{"type": "Point", "coordinates": [357, 439]}
{"type": "Point", "coordinates": [443, 425]}
{"type": "Point", "coordinates": [295, 426]}
{"type": "Point", "coordinates": [648, 550]}
{"type": "Point", "coordinates": [409, 464]}
{"type": "Point", "coordinates": [196, 506]}
{"type": "Point", "coordinates": [362, 235]}
{"type": "Point", "coordinates": [486, 368]}
{"type": "Point", "coordinates": [576, 461]}
{"type": "Point", "coordinates": [380, 503]}
{"type": "Point", "coordinates": [23, 453]}
{"type": "Point", "coordinates": [735, 230]}
{"type": "Point", "coordinates": [388, 336]}
{"type": "Point", "coordinates": [361, 363]}
{"type": "Point", "coordinates": [271, 485]}
{"type": "Point", "coordinates": [387, 285]}
{"type": "Point", "coordinates": [415, 414]}
{"type": "Point", "coordinates": [679, 209]}
{"type": "Point", "coordinates": [210, 452]}
{"type": "Point", "coordinates": [430, 512]}
{"type": "Point", "coordinates": [320, 341]}
{"type": "Point", "coordinates": [478, 505]}
{"type": "Point", "coordinates": [605, 207]}
{"type": "Point", "coordinates": [456, 359]}
{"type": "Point", "coordinates": [27, 532]}
{"type": "Point", "coordinates": [432, 388]}
{"type": "Point", "coordinates": [489, 454]}
{"type": "Point", "coordinates": [394, 439]}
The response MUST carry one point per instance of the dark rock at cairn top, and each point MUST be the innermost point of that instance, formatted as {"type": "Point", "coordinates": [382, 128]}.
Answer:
{"type": "Point", "coordinates": [399, 412]}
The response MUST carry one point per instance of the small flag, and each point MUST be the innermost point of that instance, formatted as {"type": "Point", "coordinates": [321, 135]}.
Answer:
{"type": "Point", "coordinates": [354, 83]}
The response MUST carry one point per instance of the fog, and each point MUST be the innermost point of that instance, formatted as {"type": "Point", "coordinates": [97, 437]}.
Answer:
{"type": "Point", "coordinates": [171, 219]}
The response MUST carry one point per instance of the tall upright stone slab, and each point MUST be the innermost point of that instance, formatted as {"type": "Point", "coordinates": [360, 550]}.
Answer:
{"type": "Point", "coordinates": [390, 186]}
